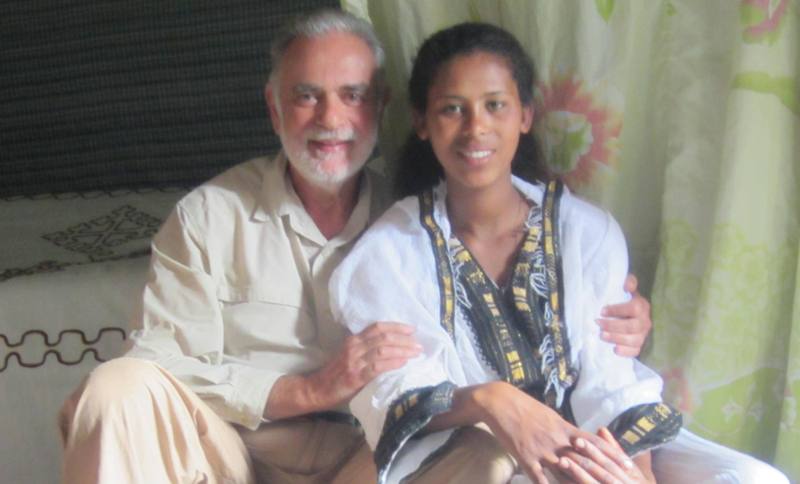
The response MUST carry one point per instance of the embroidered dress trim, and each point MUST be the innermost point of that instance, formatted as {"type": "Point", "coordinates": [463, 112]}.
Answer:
{"type": "Point", "coordinates": [406, 416]}
{"type": "Point", "coordinates": [444, 271]}
{"type": "Point", "coordinates": [505, 346]}
{"type": "Point", "coordinates": [556, 326]}
{"type": "Point", "coordinates": [467, 327]}
{"type": "Point", "coordinates": [526, 343]}
{"type": "Point", "coordinates": [646, 426]}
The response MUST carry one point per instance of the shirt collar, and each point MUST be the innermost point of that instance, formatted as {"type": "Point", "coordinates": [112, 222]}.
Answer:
{"type": "Point", "coordinates": [278, 199]}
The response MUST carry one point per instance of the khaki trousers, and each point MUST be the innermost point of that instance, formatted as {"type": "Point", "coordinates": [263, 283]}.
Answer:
{"type": "Point", "coordinates": [133, 422]}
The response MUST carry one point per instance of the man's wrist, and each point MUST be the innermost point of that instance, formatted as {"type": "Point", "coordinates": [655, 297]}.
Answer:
{"type": "Point", "coordinates": [314, 391]}
{"type": "Point", "coordinates": [294, 395]}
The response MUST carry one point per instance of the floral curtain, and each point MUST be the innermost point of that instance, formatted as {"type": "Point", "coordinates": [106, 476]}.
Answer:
{"type": "Point", "coordinates": [681, 117]}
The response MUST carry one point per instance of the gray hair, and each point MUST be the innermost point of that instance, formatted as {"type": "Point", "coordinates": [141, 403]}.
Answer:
{"type": "Point", "coordinates": [320, 23]}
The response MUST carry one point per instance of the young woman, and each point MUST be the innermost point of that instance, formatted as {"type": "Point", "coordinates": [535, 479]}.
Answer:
{"type": "Point", "coordinates": [503, 279]}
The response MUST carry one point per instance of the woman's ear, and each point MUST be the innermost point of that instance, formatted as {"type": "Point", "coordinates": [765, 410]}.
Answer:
{"type": "Point", "coordinates": [420, 127]}
{"type": "Point", "coordinates": [382, 100]}
{"type": "Point", "coordinates": [527, 119]}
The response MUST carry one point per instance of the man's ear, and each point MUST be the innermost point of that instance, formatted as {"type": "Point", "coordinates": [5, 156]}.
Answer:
{"type": "Point", "coordinates": [421, 128]}
{"type": "Point", "coordinates": [387, 96]}
{"type": "Point", "coordinates": [272, 106]}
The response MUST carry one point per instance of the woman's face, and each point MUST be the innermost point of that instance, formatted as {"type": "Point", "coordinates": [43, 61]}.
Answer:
{"type": "Point", "coordinates": [474, 119]}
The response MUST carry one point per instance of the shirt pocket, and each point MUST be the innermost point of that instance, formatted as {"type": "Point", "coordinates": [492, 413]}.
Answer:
{"type": "Point", "coordinates": [266, 316]}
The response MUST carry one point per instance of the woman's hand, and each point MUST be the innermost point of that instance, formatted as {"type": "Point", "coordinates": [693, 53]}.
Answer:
{"type": "Point", "coordinates": [531, 431]}
{"type": "Point", "coordinates": [585, 463]}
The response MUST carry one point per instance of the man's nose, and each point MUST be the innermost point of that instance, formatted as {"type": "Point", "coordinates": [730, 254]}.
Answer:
{"type": "Point", "coordinates": [330, 112]}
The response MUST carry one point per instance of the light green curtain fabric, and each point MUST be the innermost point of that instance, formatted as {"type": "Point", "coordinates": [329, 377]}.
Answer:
{"type": "Point", "coordinates": [682, 118]}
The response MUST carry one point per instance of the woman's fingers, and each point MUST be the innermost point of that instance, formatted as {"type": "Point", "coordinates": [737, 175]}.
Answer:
{"type": "Point", "coordinates": [598, 464]}
{"type": "Point", "coordinates": [576, 468]}
{"type": "Point", "coordinates": [609, 449]}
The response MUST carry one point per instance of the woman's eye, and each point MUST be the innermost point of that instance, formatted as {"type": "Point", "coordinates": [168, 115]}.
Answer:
{"type": "Point", "coordinates": [493, 106]}
{"type": "Point", "coordinates": [354, 98]}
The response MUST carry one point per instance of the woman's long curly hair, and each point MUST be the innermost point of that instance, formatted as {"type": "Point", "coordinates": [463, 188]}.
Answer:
{"type": "Point", "coordinates": [419, 168]}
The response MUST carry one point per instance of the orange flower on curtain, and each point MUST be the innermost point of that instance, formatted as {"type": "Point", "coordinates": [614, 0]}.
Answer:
{"type": "Point", "coordinates": [579, 133]}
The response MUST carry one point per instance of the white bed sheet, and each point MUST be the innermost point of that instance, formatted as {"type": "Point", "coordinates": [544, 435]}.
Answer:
{"type": "Point", "coordinates": [77, 315]}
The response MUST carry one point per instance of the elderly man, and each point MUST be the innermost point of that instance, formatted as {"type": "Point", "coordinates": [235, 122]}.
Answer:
{"type": "Point", "coordinates": [237, 369]}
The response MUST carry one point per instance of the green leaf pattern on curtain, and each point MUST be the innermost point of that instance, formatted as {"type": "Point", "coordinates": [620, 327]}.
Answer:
{"type": "Point", "coordinates": [727, 335]}
{"type": "Point", "coordinates": [786, 89]}
{"type": "Point", "coordinates": [605, 8]}
{"type": "Point", "coordinates": [681, 117]}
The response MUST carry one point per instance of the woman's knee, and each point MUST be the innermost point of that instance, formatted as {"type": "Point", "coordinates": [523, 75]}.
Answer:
{"type": "Point", "coordinates": [691, 457]}
{"type": "Point", "coordinates": [752, 470]}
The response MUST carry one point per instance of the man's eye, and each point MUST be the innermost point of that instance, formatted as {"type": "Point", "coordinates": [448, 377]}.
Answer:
{"type": "Point", "coordinates": [305, 99]}
{"type": "Point", "coordinates": [451, 110]}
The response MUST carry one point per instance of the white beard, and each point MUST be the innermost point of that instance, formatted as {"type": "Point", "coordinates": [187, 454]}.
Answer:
{"type": "Point", "coordinates": [312, 166]}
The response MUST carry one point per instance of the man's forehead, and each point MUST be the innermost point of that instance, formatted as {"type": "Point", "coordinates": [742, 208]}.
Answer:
{"type": "Point", "coordinates": [310, 87]}
{"type": "Point", "coordinates": [342, 43]}
{"type": "Point", "coordinates": [340, 60]}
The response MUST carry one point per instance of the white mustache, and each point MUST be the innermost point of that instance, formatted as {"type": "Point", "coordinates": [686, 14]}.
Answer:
{"type": "Point", "coordinates": [339, 134]}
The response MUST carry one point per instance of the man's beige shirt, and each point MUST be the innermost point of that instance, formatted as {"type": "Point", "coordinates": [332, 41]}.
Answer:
{"type": "Point", "coordinates": [237, 294]}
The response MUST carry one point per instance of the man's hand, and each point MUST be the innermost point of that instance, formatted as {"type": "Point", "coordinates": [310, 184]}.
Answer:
{"type": "Point", "coordinates": [627, 325]}
{"type": "Point", "coordinates": [378, 349]}
{"type": "Point", "coordinates": [381, 347]}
